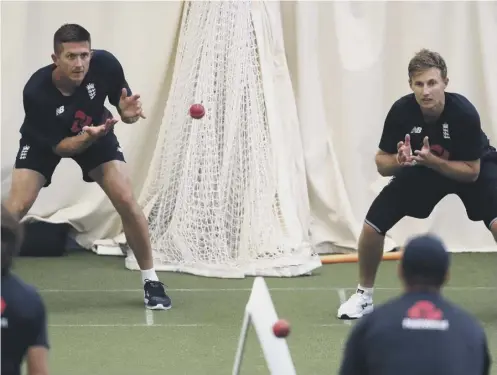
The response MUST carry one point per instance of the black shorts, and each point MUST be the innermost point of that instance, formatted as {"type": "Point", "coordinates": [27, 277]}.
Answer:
{"type": "Point", "coordinates": [43, 160]}
{"type": "Point", "coordinates": [415, 192]}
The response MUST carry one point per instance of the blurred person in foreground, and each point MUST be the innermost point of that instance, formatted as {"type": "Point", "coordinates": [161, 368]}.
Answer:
{"type": "Point", "coordinates": [419, 332]}
{"type": "Point", "coordinates": [432, 145]}
{"type": "Point", "coordinates": [24, 323]}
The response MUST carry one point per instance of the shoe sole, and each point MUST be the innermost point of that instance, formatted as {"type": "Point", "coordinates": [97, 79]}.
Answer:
{"type": "Point", "coordinates": [346, 317]}
{"type": "Point", "coordinates": [367, 311]}
{"type": "Point", "coordinates": [158, 307]}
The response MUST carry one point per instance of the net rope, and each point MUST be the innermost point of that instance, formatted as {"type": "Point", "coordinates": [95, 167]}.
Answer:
{"type": "Point", "coordinates": [212, 195]}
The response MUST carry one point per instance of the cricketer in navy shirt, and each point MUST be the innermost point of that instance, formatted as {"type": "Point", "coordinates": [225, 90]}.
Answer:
{"type": "Point", "coordinates": [23, 315]}
{"type": "Point", "coordinates": [419, 332]}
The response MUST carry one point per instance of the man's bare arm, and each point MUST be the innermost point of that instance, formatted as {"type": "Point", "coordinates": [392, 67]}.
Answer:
{"type": "Point", "coordinates": [463, 171]}
{"type": "Point", "coordinates": [387, 164]}
{"type": "Point", "coordinates": [37, 360]}
{"type": "Point", "coordinates": [74, 145]}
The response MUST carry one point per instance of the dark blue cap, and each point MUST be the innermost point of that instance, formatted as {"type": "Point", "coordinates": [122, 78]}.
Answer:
{"type": "Point", "coordinates": [426, 256]}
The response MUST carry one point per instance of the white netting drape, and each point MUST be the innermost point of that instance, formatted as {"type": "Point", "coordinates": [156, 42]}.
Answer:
{"type": "Point", "coordinates": [214, 198]}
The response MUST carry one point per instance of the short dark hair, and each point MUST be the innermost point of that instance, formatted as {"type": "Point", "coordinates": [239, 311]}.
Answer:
{"type": "Point", "coordinates": [70, 32]}
{"type": "Point", "coordinates": [422, 281]}
{"type": "Point", "coordinates": [425, 261]}
{"type": "Point", "coordinates": [12, 235]}
{"type": "Point", "coordinates": [424, 60]}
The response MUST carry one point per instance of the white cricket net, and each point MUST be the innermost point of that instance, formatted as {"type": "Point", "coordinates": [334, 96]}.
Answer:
{"type": "Point", "coordinates": [212, 194]}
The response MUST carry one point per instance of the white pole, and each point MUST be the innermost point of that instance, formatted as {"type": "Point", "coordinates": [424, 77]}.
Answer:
{"type": "Point", "coordinates": [241, 343]}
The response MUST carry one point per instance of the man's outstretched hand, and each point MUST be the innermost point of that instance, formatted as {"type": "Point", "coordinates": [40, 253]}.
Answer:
{"type": "Point", "coordinates": [404, 152]}
{"type": "Point", "coordinates": [424, 156]}
{"type": "Point", "coordinates": [130, 107]}
{"type": "Point", "coordinates": [99, 131]}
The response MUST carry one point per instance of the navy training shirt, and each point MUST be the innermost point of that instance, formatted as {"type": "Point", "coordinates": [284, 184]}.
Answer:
{"type": "Point", "coordinates": [457, 133]}
{"type": "Point", "coordinates": [50, 116]}
{"type": "Point", "coordinates": [414, 334]}
{"type": "Point", "coordinates": [23, 320]}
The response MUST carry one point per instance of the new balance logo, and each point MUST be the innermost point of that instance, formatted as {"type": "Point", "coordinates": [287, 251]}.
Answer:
{"type": "Point", "coordinates": [24, 152]}
{"type": "Point", "coordinates": [59, 110]}
{"type": "Point", "coordinates": [416, 130]}
{"type": "Point", "coordinates": [445, 131]}
{"type": "Point", "coordinates": [91, 90]}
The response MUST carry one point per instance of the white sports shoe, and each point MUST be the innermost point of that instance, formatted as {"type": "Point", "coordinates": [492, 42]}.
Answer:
{"type": "Point", "coordinates": [358, 305]}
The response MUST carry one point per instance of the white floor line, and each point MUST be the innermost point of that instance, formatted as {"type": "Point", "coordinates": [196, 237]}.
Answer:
{"type": "Point", "coordinates": [214, 290]}
{"type": "Point", "coordinates": [149, 317]}
{"type": "Point", "coordinates": [130, 325]}
{"type": "Point", "coordinates": [343, 298]}
{"type": "Point", "coordinates": [194, 325]}
{"type": "Point", "coordinates": [333, 324]}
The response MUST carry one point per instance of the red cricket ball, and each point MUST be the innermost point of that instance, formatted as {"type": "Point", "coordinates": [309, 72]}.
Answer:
{"type": "Point", "coordinates": [281, 328]}
{"type": "Point", "coordinates": [197, 111]}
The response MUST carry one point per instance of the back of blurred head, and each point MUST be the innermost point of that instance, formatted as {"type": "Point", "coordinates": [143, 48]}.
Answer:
{"type": "Point", "coordinates": [425, 264]}
{"type": "Point", "coordinates": [11, 239]}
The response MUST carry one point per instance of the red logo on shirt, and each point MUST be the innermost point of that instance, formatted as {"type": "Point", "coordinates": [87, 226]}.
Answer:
{"type": "Point", "coordinates": [3, 305]}
{"type": "Point", "coordinates": [81, 120]}
{"type": "Point", "coordinates": [440, 152]}
{"type": "Point", "coordinates": [425, 310]}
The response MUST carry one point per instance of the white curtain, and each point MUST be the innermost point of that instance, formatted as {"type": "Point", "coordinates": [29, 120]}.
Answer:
{"type": "Point", "coordinates": [143, 37]}
{"type": "Point", "coordinates": [347, 62]}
